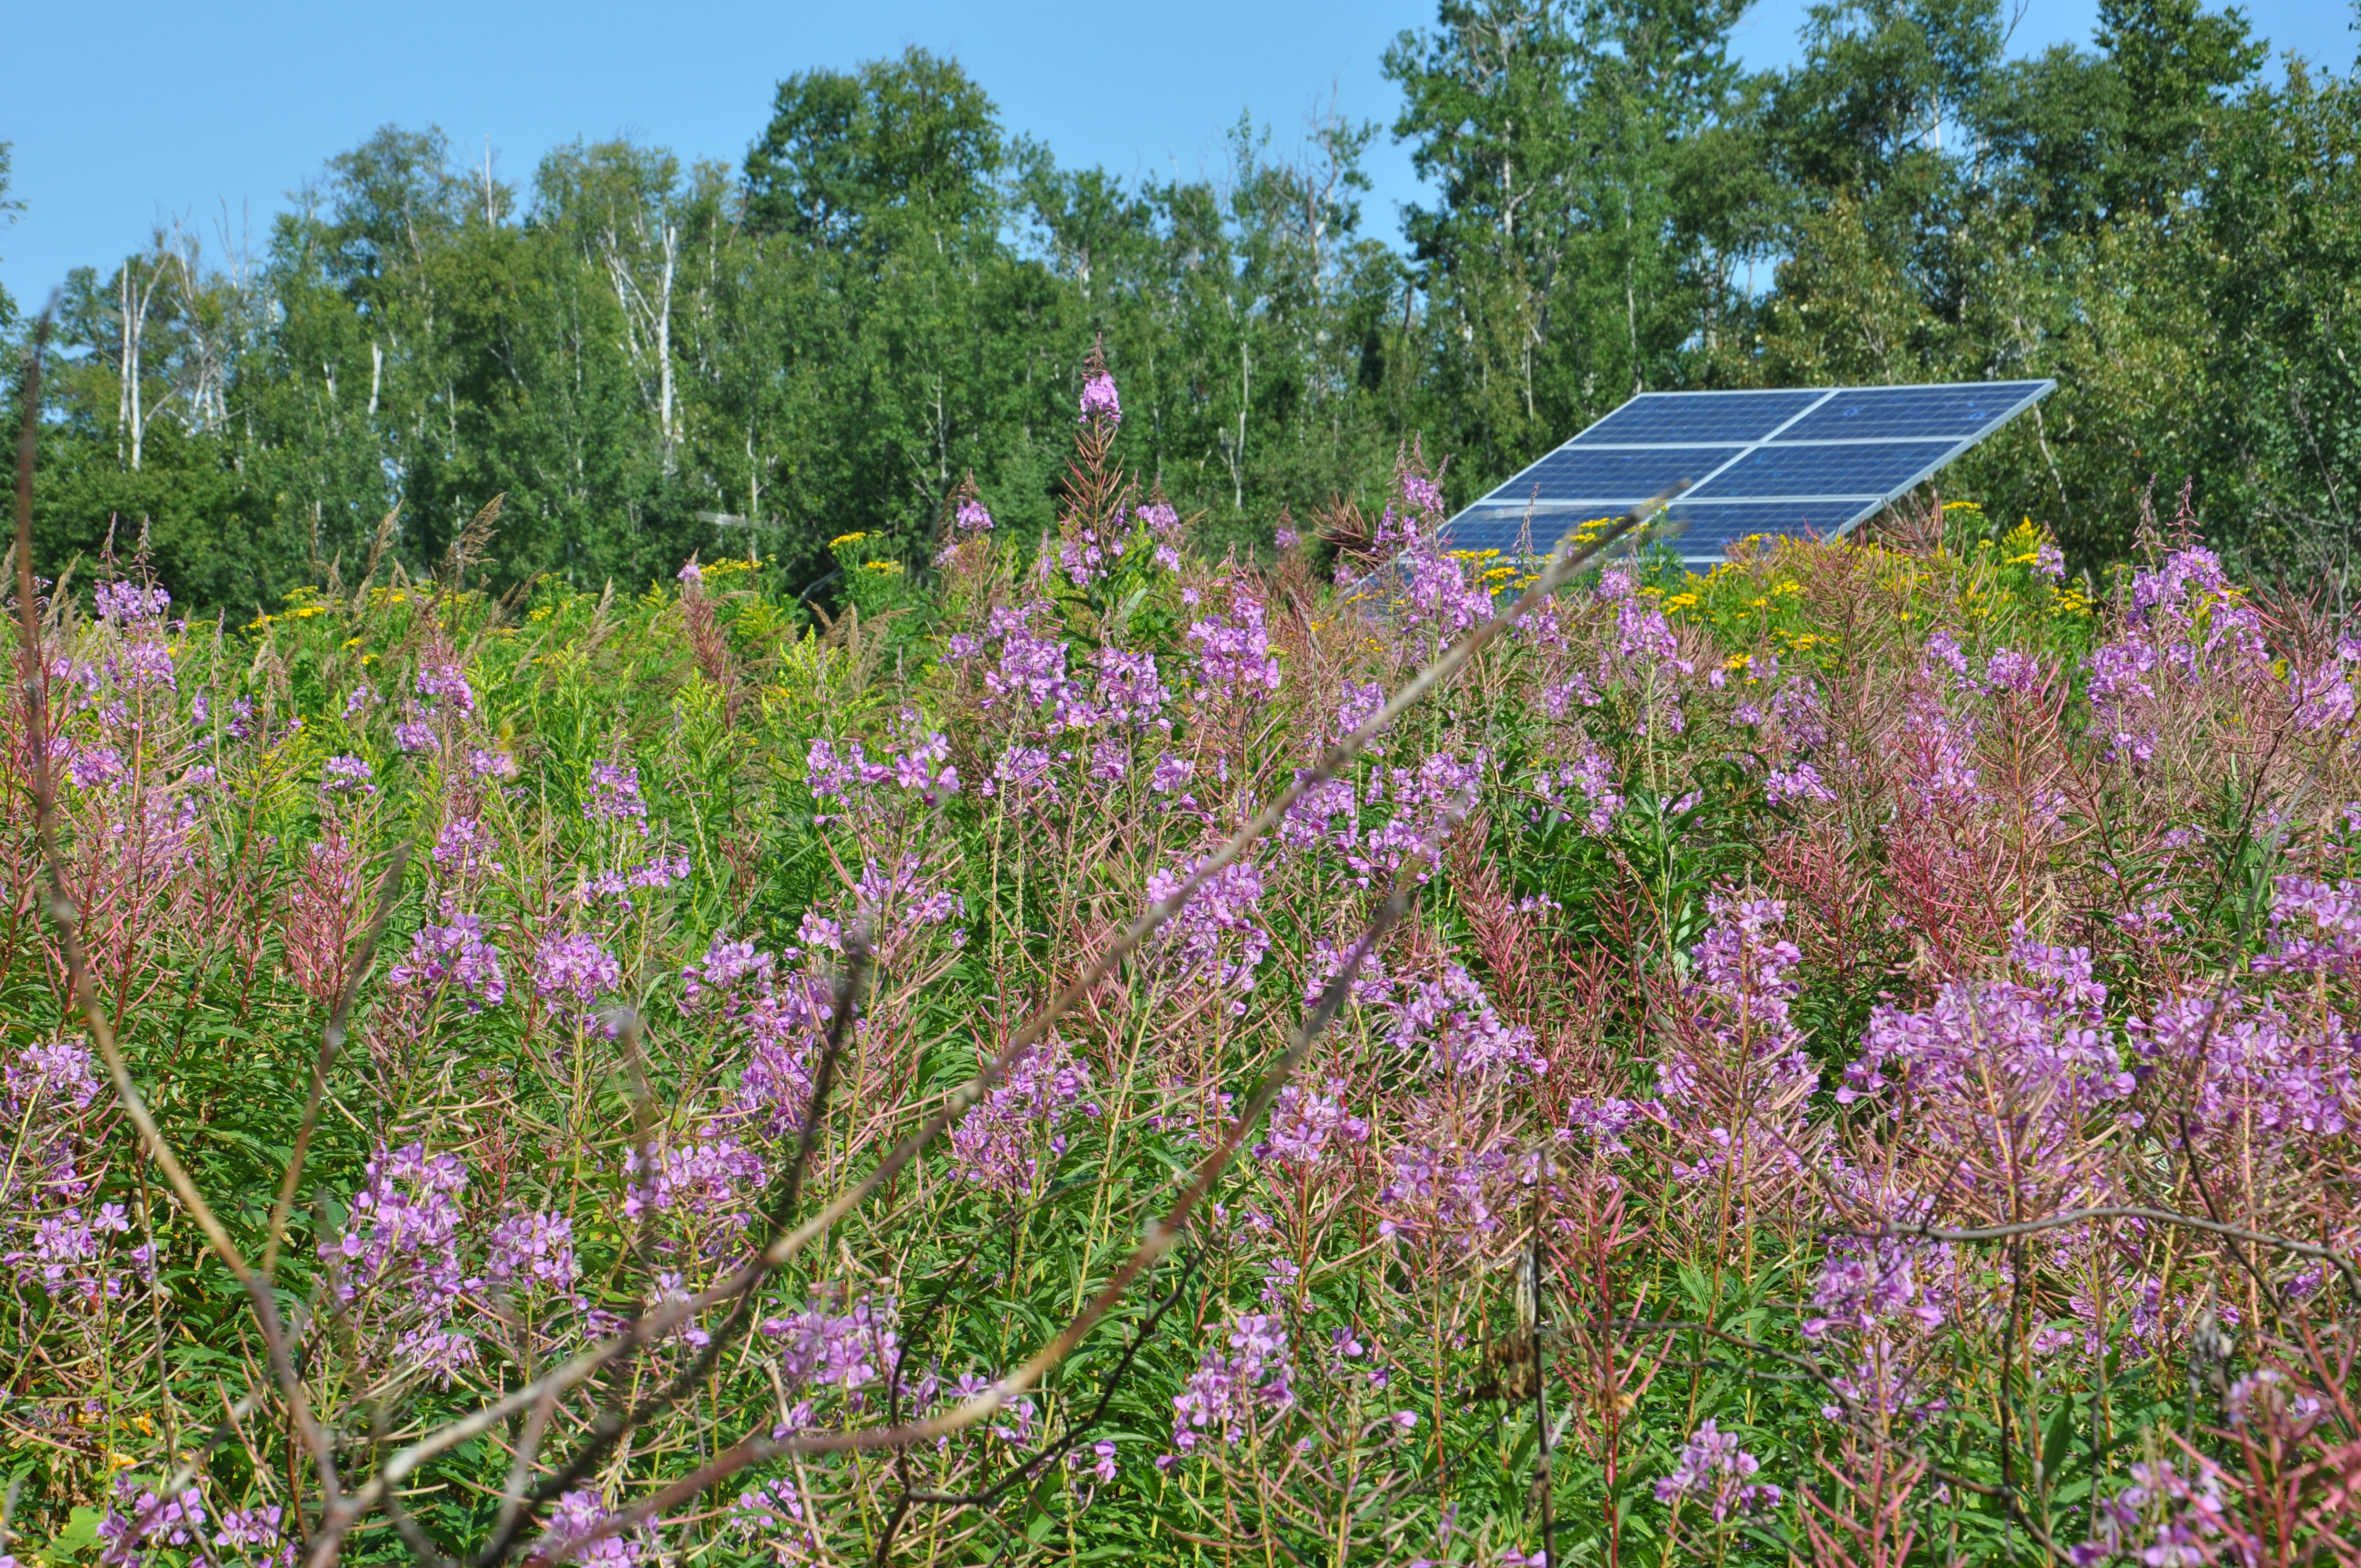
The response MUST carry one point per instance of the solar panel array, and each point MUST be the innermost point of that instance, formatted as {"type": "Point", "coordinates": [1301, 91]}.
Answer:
{"type": "Point", "coordinates": [1812, 461]}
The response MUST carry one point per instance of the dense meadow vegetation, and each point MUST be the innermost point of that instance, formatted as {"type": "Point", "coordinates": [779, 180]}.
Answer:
{"type": "Point", "coordinates": [650, 355]}
{"type": "Point", "coordinates": [1845, 1059]}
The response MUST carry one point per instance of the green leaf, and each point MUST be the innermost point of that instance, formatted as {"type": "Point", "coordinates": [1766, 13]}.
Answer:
{"type": "Point", "coordinates": [2058, 1441]}
{"type": "Point", "coordinates": [79, 1536]}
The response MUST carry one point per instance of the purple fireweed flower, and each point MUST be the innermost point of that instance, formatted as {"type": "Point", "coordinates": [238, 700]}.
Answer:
{"type": "Point", "coordinates": [134, 1526]}
{"type": "Point", "coordinates": [443, 681]}
{"type": "Point", "coordinates": [347, 775]}
{"type": "Point", "coordinates": [464, 848]}
{"type": "Point", "coordinates": [573, 969]}
{"type": "Point", "coordinates": [785, 1028]}
{"type": "Point", "coordinates": [1233, 654]}
{"type": "Point", "coordinates": [2315, 928]}
{"type": "Point", "coordinates": [1797, 783]}
{"type": "Point", "coordinates": [773, 1517]}
{"type": "Point", "coordinates": [1371, 985]}
{"type": "Point", "coordinates": [2018, 674]}
{"type": "Point", "coordinates": [971, 517]}
{"type": "Point", "coordinates": [1160, 518]}
{"type": "Point", "coordinates": [920, 765]}
{"type": "Point", "coordinates": [1100, 404]}
{"type": "Point", "coordinates": [1305, 1124]}
{"type": "Point", "coordinates": [2263, 1400]}
{"type": "Point", "coordinates": [1439, 591]}
{"type": "Point", "coordinates": [1130, 690]}
{"type": "Point", "coordinates": [1023, 771]}
{"type": "Point", "coordinates": [2165, 1518]}
{"type": "Point", "coordinates": [145, 664]}
{"type": "Point", "coordinates": [2262, 1079]}
{"type": "Point", "coordinates": [703, 1179]}
{"type": "Point", "coordinates": [259, 1531]}
{"type": "Point", "coordinates": [1741, 1058]}
{"type": "Point", "coordinates": [896, 904]}
{"type": "Point", "coordinates": [2187, 626]}
{"type": "Point", "coordinates": [1447, 1197]}
{"type": "Point", "coordinates": [1326, 814]}
{"type": "Point", "coordinates": [95, 767]}
{"type": "Point", "coordinates": [2003, 1069]}
{"type": "Point", "coordinates": [453, 954]}
{"type": "Point", "coordinates": [822, 1349]}
{"type": "Point", "coordinates": [1599, 1123]}
{"type": "Point", "coordinates": [1866, 1285]}
{"type": "Point", "coordinates": [55, 1074]}
{"type": "Point", "coordinates": [1171, 775]}
{"type": "Point", "coordinates": [1083, 558]}
{"type": "Point", "coordinates": [485, 764]}
{"type": "Point", "coordinates": [1463, 1034]}
{"type": "Point", "coordinates": [527, 1250]}
{"type": "Point", "coordinates": [127, 603]}
{"type": "Point", "coordinates": [411, 735]}
{"type": "Point", "coordinates": [400, 1249]}
{"type": "Point", "coordinates": [999, 1143]}
{"type": "Point", "coordinates": [615, 795]}
{"type": "Point", "coordinates": [1420, 493]}
{"type": "Point", "coordinates": [1217, 936]}
{"type": "Point", "coordinates": [1032, 667]}
{"type": "Point", "coordinates": [1427, 803]}
{"type": "Point", "coordinates": [1644, 640]}
{"type": "Point", "coordinates": [1228, 1393]}
{"type": "Point", "coordinates": [730, 976]}
{"type": "Point", "coordinates": [1714, 1470]}
{"type": "Point", "coordinates": [1583, 791]}
{"type": "Point", "coordinates": [578, 1513]}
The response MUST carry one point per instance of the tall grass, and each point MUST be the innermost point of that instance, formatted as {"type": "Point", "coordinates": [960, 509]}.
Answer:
{"type": "Point", "coordinates": [1851, 1060]}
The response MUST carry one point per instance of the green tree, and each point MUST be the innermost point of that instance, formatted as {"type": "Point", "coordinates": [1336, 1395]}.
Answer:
{"type": "Point", "coordinates": [1586, 158]}
{"type": "Point", "coordinates": [9, 208]}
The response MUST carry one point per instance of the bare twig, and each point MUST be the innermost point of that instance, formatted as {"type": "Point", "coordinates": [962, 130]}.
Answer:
{"type": "Point", "coordinates": [1075, 1430]}
{"type": "Point", "coordinates": [1572, 554]}
{"type": "Point", "coordinates": [2329, 1256]}
{"type": "Point", "coordinates": [1161, 1237]}
{"type": "Point", "coordinates": [611, 1424]}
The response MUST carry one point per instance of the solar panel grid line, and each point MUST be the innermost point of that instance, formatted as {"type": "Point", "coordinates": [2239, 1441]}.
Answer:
{"type": "Point", "coordinates": [1772, 435]}
{"type": "Point", "coordinates": [1811, 434]}
{"type": "Point", "coordinates": [1805, 445]}
{"type": "Point", "coordinates": [1503, 521]}
{"type": "Point", "coordinates": [1929, 472]}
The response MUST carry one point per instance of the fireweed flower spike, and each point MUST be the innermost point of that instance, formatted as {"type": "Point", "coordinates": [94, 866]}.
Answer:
{"type": "Point", "coordinates": [1847, 1049]}
{"type": "Point", "coordinates": [1713, 1470]}
{"type": "Point", "coordinates": [1100, 404]}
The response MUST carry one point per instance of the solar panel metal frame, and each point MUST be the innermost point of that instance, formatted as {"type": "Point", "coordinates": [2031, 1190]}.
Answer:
{"type": "Point", "coordinates": [1510, 504]}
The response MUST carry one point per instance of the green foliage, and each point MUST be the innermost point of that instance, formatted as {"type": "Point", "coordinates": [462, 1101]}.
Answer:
{"type": "Point", "coordinates": [650, 359]}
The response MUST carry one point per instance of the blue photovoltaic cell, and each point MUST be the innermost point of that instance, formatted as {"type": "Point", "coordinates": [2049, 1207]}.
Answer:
{"type": "Point", "coordinates": [1701, 528]}
{"type": "Point", "coordinates": [1956, 412]}
{"type": "Point", "coordinates": [1871, 470]}
{"type": "Point", "coordinates": [1572, 474]}
{"type": "Point", "coordinates": [1812, 461]}
{"type": "Point", "coordinates": [1507, 536]}
{"type": "Point", "coordinates": [1657, 418]}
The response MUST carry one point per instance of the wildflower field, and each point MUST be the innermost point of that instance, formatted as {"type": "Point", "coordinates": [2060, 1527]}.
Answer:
{"type": "Point", "coordinates": [1844, 1060]}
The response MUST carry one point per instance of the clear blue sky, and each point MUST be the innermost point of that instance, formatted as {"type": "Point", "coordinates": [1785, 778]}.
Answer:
{"type": "Point", "coordinates": [133, 111]}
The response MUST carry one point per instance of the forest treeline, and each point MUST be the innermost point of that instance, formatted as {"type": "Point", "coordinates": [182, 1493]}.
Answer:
{"type": "Point", "coordinates": [648, 356]}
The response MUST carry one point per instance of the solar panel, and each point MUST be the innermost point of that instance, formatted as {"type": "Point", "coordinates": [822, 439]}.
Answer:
{"type": "Point", "coordinates": [1811, 461]}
